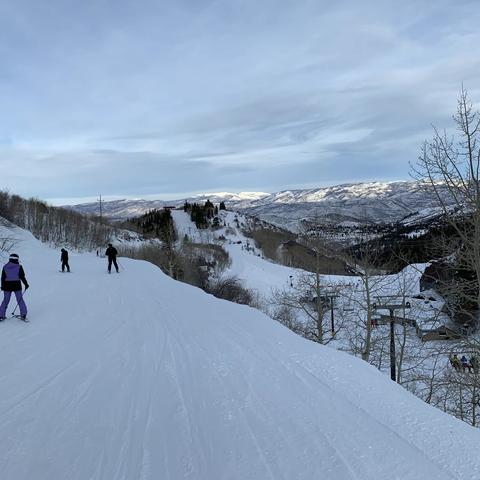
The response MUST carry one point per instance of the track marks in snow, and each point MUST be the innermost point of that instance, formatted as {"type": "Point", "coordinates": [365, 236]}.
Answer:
{"type": "Point", "coordinates": [145, 378]}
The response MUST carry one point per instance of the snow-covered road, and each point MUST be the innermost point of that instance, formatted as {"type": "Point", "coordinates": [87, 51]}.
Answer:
{"type": "Point", "coordinates": [136, 376]}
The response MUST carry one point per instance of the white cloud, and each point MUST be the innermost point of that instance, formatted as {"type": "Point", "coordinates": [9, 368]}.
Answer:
{"type": "Point", "coordinates": [102, 96]}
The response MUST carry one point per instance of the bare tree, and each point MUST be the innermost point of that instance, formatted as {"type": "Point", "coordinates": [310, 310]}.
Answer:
{"type": "Point", "coordinates": [305, 305]}
{"type": "Point", "coordinates": [363, 259]}
{"type": "Point", "coordinates": [308, 294]}
{"type": "Point", "coordinates": [449, 165]}
{"type": "Point", "coordinates": [54, 225]}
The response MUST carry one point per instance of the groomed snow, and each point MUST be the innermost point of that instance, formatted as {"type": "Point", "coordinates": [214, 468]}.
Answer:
{"type": "Point", "coordinates": [136, 376]}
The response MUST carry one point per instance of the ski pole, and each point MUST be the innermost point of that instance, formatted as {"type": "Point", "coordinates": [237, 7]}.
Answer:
{"type": "Point", "coordinates": [21, 298]}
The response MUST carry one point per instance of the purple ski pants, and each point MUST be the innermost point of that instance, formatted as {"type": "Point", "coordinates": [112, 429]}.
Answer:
{"type": "Point", "coordinates": [6, 300]}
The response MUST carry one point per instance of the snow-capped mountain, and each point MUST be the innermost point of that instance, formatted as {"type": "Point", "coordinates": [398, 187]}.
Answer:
{"type": "Point", "coordinates": [128, 208]}
{"type": "Point", "coordinates": [137, 376]}
{"type": "Point", "coordinates": [377, 202]}
{"type": "Point", "coordinates": [374, 202]}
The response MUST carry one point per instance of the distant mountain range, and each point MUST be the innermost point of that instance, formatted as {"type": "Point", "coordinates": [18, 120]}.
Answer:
{"type": "Point", "coordinates": [128, 208]}
{"type": "Point", "coordinates": [373, 202]}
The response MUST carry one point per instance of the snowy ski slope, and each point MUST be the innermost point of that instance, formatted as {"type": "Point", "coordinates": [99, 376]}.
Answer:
{"type": "Point", "coordinates": [136, 376]}
{"type": "Point", "coordinates": [259, 275]}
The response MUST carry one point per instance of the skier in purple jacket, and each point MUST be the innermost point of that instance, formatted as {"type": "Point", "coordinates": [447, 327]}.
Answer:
{"type": "Point", "coordinates": [12, 278]}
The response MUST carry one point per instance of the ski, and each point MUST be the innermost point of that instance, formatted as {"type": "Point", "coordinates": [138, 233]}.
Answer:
{"type": "Point", "coordinates": [20, 318]}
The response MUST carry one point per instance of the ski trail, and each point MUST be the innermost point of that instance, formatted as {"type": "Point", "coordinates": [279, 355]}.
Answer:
{"type": "Point", "coordinates": [136, 376]}
{"type": "Point", "coordinates": [300, 372]}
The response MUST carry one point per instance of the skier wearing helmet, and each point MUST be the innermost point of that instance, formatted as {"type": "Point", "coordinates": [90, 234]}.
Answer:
{"type": "Point", "coordinates": [13, 276]}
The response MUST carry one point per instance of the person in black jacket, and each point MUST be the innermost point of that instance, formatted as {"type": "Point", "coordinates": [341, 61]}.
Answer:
{"type": "Point", "coordinates": [111, 253]}
{"type": "Point", "coordinates": [64, 260]}
{"type": "Point", "coordinates": [13, 276]}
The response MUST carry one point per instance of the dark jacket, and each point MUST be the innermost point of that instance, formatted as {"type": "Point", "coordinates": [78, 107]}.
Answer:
{"type": "Point", "coordinates": [64, 256]}
{"type": "Point", "coordinates": [111, 252]}
{"type": "Point", "coordinates": [13, 276]}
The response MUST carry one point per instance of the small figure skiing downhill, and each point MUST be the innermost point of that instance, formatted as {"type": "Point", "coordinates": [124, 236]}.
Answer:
{"type": "Point", "coordinates": [111, 253]}
{"type": "Point", "coordinates": [13, 276]}
{"type": "Point", "coordinates": [64, 260]}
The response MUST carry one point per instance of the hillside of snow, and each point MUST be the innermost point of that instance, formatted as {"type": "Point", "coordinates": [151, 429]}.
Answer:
{"type": "Point", "coordinates": [258, 274]}
{"type": "Point", "coordinates": [378, 202]}
{"type": "Point", "coordinates": [136, 376]}
{"type": "Point", "coordinates": [264, 279]}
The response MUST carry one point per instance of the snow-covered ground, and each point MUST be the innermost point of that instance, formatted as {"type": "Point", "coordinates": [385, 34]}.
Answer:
{"type": "Point", "coordinates": [258, 274]}
{"type": "Point", "coordinates": [264, 277]}
{"type": "Point", "coordinates": [136, 376]}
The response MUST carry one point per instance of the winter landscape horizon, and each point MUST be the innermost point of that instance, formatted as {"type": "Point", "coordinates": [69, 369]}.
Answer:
{"type": "Point", "coordinates": [239, 193]}
{"type": "Point", "coordinates": [239, 240]}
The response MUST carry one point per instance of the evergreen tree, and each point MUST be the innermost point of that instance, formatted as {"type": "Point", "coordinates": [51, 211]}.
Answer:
{"type": "Point", "coordinates": [158, 223]}
{"type": "Point", "coordinates": [208, 209]}
{"type": "Point", "coordinates": [197, 215]}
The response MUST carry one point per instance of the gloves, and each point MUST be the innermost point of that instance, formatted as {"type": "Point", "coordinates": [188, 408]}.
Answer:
{"type": "Point", "coordinates": [26, 287]}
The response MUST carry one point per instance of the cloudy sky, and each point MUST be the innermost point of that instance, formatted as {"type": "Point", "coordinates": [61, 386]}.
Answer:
{"type": "Point", "coordinates": [162, 98]}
